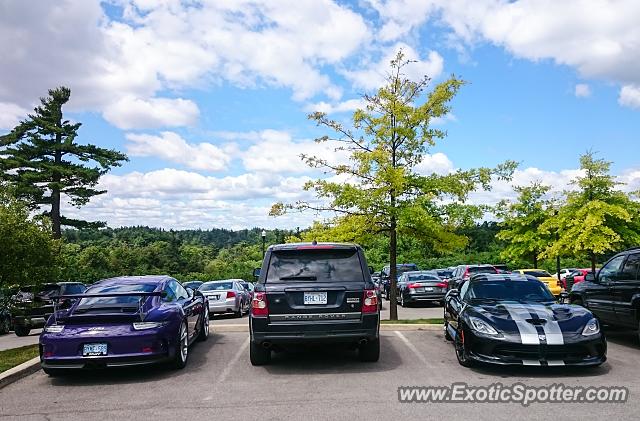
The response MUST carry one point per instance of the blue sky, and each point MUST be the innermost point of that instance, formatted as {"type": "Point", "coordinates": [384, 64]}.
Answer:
{"type": "Point", "coordinates": [209, 99]}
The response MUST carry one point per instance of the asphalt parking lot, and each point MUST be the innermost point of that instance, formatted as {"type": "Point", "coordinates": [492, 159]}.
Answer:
{"type": "Point", "coordinates": [324, 383]}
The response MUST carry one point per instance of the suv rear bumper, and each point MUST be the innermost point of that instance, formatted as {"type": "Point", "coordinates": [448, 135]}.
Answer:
{"type": "Point", "coordinates": [353, 331]}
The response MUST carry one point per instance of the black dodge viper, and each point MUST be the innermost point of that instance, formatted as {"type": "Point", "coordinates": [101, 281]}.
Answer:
{"type": "Point", "coordinates": [512, 319]}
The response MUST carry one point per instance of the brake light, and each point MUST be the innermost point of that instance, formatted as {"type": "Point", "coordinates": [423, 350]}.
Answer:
{"type": "Point", "coordinates": [413, 286]}
{"type": "Point", "coordinates": [231, 294]}
{"type": "Point", "coordinates": [370, 302]}
{"type": "Point", "coordinates": [442, 285]}
{"type": "Point", "coordinates": [259, 304]}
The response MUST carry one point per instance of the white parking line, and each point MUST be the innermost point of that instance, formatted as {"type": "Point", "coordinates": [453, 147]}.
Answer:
{"type": "Point", "coordinates": [411, 346]}
{"type": "Point", "coordinates": [234, 360]}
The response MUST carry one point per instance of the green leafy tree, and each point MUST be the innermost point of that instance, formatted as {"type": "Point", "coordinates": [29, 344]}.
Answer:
{"type": "Point", "coordinates": [521, 221]}
{"type": "Point", "coordinates": [597, 217]}
{"type": "Point", "coordinates": [42, 160]}
{"type": "Point", "coordinates": [28, 255]}
{"type": "Point", "coordinates": [383, 192]}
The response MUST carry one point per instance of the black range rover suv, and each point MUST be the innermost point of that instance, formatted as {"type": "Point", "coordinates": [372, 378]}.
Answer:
{"type": "Point", "coordinates": [314, 293]}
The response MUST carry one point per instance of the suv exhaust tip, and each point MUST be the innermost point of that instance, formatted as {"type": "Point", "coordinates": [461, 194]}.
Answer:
{"type": "Point", "coordinates": [363, 341]}
{"type": "Point", "coordinates": [266, 345]}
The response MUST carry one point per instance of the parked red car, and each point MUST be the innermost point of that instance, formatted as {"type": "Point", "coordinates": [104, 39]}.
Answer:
{"type": "Point", "coordinates": [577, 276]}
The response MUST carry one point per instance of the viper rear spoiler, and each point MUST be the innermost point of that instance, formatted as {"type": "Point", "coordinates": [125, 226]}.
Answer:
{"type": "Point", "coordinates": [142, 295]}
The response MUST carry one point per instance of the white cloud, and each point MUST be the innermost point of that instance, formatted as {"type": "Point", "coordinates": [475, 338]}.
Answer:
{"type": "Point", "coordinates": [437, 163]}
{"type": "Point", "coordinates": [598, 38]}
{"type": "Point", "coordinates": [282, 154]}
{"type": "Point", "coordinates": [582, 90]}
{"type": "Point", "coordinates": [136, 113]}
{"type": "Point", "coordinates": [399, 17]}
{"type": "Point", "coordinates": [340, 107]}
{"type": "Point", "coordinates": [373, 75]}
{"type": "Point", "coordinates": [170, 46]}
{"type": "Point", "coordinates": [630, 96]}
{"type": "Point", "coordinates": [10, 115]}
{"type": "Point", "coordinates": [171, 147]}
{"type": "Point", "coordinates": [171, 198]}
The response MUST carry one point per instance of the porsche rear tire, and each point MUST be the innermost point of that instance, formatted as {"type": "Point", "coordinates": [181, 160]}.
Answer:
{"type": "Point", "coordinates": [53, 372]}
{"type": "Point", "coordinates": [204, 328]}
{"type": "Point", "coordinates": [182, 348]}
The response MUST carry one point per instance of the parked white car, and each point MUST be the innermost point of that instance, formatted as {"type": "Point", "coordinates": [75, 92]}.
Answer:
{"type": "Point", "coordinates": [564, 273]}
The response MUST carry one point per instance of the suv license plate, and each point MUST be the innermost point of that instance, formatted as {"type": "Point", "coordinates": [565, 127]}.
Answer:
{"type": "Point", "coordinates": [315, 298]}
{"type": "Point", "coordinates": [92, 350]}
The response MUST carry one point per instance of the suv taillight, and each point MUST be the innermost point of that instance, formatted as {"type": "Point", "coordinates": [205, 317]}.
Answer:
{"type": "Point", "coordinates": [231, 294]}
{"type": "Point", "coordinates": [370, 302]}
{"type": "Point", "coordinates": [259, 304]}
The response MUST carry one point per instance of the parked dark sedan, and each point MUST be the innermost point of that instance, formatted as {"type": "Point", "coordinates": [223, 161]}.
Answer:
{"type": "Point", "coordinates": [514, 320]}
{"type": "Point", "coordinates": [125, 321]}
{"type": "Point", "coordinates": [420, 287]}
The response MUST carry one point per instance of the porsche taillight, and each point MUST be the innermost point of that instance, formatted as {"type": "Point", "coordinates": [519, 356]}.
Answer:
{"type": "Point", "coordinates": [370, 301]}
{"type": "Point", "coordinates": [259, 305]}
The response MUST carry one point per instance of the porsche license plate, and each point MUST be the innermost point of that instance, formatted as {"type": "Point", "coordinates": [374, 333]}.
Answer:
{"type": "Point", "coordinates": [315, 298]}
{"type": "Point", "coordinates": [92, 350]}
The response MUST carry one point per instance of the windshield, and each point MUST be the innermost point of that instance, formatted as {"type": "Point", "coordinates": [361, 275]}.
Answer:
{"type": "Point", "coordinates": [115, 301]}
{"type": "Point", "coordinates": [334, 265]}
{"type": "Point", "coordinates": [216, 286]}
{"type": "Point", "coordinates": [537, 273]}
{"type": "Point", "coordinates": [509, 291]}
{"type": "Point", "coordinates": [423, 277]}
{"type": "Point", "coordinates": [481, 269]}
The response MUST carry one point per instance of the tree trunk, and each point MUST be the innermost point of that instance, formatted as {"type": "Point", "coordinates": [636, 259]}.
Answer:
{"type": "Point", "coordinates": [593, 262]}
{"type": "Point", "coordinates": [55, 189]}
{"type": "Point", "coordinates": [393, 270]}
{"type": "Point", "coordinates": [535, 260]}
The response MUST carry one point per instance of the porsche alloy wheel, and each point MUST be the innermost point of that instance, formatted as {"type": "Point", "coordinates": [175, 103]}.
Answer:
{"type": "Point", "coordinates": [204, 330]}
{"type": "Point", "coordinates": [182, 351]}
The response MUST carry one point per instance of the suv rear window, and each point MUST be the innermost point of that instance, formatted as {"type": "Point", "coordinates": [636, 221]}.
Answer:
{"type": "Point", "coordinates": [323, 265]}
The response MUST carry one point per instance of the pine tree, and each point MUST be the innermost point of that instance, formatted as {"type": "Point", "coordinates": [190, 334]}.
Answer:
{"type": "Point", "coordinates": [42, 161]}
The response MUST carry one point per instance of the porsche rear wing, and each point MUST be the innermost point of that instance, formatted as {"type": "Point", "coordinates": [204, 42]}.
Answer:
{"type": "Point", "coordinates": [143, 296]}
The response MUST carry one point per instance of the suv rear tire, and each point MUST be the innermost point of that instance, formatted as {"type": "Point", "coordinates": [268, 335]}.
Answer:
{"type": "Point", "coordinates": [21, 330]}
{"type": "Point", "coordinates": [258, 354]}
{"type": "Point", "coordinates": [370, 352]}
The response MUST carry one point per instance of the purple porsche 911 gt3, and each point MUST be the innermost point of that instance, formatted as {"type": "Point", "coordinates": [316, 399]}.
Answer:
{"type": "Point", "coordinates": [125, 321]}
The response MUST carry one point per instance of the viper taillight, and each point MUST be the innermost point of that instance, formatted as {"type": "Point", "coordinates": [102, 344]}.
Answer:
{"type": "Point", "coordinates": [370, 302]}
{"type": "Point", "coordinates": [231, 294]}
{"type": "Point", "coordinates": [259, 304]}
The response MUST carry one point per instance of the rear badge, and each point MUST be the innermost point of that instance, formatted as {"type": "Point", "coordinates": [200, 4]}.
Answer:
{"type": "Point", "coordinates": [353, 300]}
{"type": "Point", "coordinates": [542, 337]}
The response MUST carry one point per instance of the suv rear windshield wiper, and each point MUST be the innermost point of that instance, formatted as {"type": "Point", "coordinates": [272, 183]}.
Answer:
{"type": "Point", "coordinates": [299, 278]}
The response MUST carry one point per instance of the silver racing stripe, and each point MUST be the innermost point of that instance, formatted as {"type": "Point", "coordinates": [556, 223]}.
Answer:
{"type": "Point", "coordinates": [519, 314]}
{"type": "Point", "coordinates": [551, 327]}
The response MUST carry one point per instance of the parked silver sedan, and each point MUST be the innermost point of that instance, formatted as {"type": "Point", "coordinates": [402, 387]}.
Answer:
{"type": "Point", "coordinates": [226, 296]}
